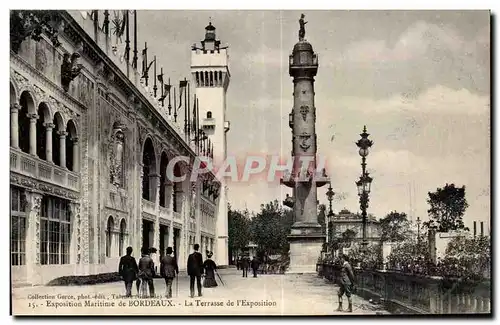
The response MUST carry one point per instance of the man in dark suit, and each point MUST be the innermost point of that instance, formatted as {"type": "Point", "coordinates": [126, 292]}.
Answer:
{"type": "Point", "coordinates": [244, 266]}
{"type": "Point", "coordinates": [168, 270]}
{"type": "Point", "coordinates": [255, 266]}
{"type": "Point", "coordinates": [195, 270]}
{"type": "Point", "coordinates": [146, 271]}
{"type": "Point", "coordinates": [128, 270]}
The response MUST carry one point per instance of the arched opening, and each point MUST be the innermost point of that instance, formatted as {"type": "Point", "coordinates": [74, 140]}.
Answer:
{"type": "Point", "coordinates": [56, 142]}
{"type": "Point", "coordinates": [220, 77]}
{"type": "Point", "coordinates": [41, 131]}
{"type": "Point", "coordinates": [123, 229]}
{"type": "Point", "coordinates": [211, 79]}
{"type": "Point", "coordinates": [206, 78]}
{"type": "Point", "coordinates": [149, 170]}
{"type": "Point", "coordinates": [27, 106]}
{"type": "Point", "coordinates": [71, 143]}
{"type": "Point", "coordinates": [163, 179]}
{"type": "Point", "coordinates": [109, 235]}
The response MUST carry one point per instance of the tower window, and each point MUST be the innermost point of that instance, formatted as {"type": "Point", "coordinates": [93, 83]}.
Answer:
{"type": "Point", "coordinates": [209, 114]}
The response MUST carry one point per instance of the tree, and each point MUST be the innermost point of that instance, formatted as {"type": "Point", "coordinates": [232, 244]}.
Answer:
{"type": "Point", "coordinates": [468, 257]}
{"type": "Point", "coordinates": [270, 228]}
{"type": "Point", "coordinates": [238, 229]}
{"type": "Point", "coordinates": [395, 227]}
{"type": "Point", "coordinates": [447, 207]}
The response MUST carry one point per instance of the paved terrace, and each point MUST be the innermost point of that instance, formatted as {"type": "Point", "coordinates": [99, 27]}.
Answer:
{"type": "Point", "coordinates": [288, 294]}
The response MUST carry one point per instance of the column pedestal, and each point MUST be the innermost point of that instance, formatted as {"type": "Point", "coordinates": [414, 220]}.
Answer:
{"type": "Point", "coordinates": [306, 241]}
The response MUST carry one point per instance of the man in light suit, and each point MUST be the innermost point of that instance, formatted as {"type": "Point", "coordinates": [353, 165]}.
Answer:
{"type": "Point", "coordinates": [168, 270]}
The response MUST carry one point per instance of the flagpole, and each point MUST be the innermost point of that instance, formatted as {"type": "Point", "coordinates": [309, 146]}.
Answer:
{"type": "Point", "coordinates": [127, 44]}
{"type": "Point", "coordinates": [175, 105]}
{"type": "Point", "coordinates": [145, 62]}
{"type": "Point", "coordinates": [154, 77]}
{"type": "Point", "coordinates": [169, 106]}
{"type": "Point", "coordinates": [185, 111]}
{"type": "Point", "coordinates": [134, 59]}
{"type": "Point", "coordinates": [189, 111]}
{"type": "Point", "coordinates": [161, 85]}
{"type": "Point", "coordinates": [197, 123]}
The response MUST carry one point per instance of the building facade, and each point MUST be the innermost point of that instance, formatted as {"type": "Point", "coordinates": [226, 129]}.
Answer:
{"type": "Point", "coordinates": [90, 147]}
{"type": "Point", "coordinates": [345, 220]}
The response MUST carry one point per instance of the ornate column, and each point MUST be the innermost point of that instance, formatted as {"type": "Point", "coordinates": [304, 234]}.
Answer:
{"type": "Point", "coordinates": [168, 196]}
{"type": "Point", "coordinates": [139, 219]}
{"type": "Point", "coordinates": [76, 156]}
{"type": "Point", "coordinates": [33, 203]}
{"type": "Point", "coordinates": [48, 140]}
{"type": "Point", "coordinates": [14, 125]}
{"type": "Point", "coordinates": [62, 148]}
{"type": "Point", "coordinates": [75, 244]}
{"type": "Point", "coordinates": [33, 118]}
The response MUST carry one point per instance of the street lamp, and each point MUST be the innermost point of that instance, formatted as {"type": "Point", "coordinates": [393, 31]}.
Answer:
{"type": "Point", "coordinates": [364, 182]}
{"type": "Point", "coordinates": [330, 193]}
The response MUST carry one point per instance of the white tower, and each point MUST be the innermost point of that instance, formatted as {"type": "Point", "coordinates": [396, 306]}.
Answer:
{"type": "Point", "coordinates": [210, 71]}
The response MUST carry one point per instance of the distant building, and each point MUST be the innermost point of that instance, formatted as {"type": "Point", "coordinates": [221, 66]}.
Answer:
{"type": "Point", "coordinates": [347, 220]}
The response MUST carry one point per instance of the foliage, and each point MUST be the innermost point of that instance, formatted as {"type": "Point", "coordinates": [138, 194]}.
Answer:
{"type": "Point", "coordinates": [467, 257]}
{"type": "Point", "coordinates": [409, 255]}
{"type": "Point", "coordinates": [270, 228]}
{"type": "Point", "coordinates": [238, 229]}
{"type": "Point", "coordinates": [92, 279]}
{"type": "Point", "coordinates": [370, 258]}
{"type": "Point", "coordinates": [447, 207]}
{"type": "Point", "coordinates": [395, 227]}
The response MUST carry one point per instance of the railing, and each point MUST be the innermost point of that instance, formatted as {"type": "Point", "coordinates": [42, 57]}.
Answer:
{"type": "Point", "coordinates": [28, 165]}
{"type": "Point", "coordinates": [417, 294]}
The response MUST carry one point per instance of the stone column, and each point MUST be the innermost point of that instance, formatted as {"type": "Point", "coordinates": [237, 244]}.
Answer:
{"type": "Point", "coordinates": [14, 125]}
{"type": "Point", "coordinates": [76, 156]}
{"type": "Point", "coordinates": [33, 118]}
{"type": "Point", "coordinates": [33, 203]}
{"type": "Point", "coordinates": [155, 180]}
{"type": "Point", "coordinates": [62, 148]}
{"type": "Point", "coordinates": [168, 195]}
{"type": "Point", "coordinates": [171, 234]}
{"type": "Point", "coordinates": [48, 140]}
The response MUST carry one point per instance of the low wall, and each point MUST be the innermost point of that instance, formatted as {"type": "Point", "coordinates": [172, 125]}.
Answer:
{"type": "Point", "coordinates": [416, 294]}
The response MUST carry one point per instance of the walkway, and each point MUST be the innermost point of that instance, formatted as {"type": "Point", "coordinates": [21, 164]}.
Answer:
{"type": "Point", "coordinates": [270, 295]}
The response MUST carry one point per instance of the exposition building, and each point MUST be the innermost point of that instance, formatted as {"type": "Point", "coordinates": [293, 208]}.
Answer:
{"type": "Point", "coordinates": [91, 141]}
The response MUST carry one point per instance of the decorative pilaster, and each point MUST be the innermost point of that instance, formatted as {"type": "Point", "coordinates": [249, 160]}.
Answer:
{"type": "Point", "coordinates": [33, 202]}
{"type": "Point", "coordinates": [76, 155]}
{"type": "Point", "coordinates": [155, 180]}
{"type": "Point", "coordinates": [76, 231]}
{"type": "Point", "coordinates": [139, 219]}
{"type": "Point", "coordinates": [14, 125]}
{"type": "Point", "coordinates": [62, 148]}
{"type": "Point", "coordinates": [33, 118]}
{"type": "Point", "coordinates": [48, 140]}
{"type": "Point", "coordinates": [171, 234]}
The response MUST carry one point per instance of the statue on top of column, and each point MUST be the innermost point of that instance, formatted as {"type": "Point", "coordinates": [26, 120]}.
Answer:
{"type": "Point", "coordinates": [302, 30]}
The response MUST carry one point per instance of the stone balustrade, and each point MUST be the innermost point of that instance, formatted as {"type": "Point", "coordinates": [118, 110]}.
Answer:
{"type": "Point", "coordinates": [29, 165]}
{"type": "Point", "coordinates": [418, 294]}
{"type": "Point", "coordinates": [148, 207]}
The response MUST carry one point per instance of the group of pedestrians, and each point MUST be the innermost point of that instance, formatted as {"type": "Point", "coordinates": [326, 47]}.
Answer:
{"type": "Point", "coordinates": [145, 271]}
{"type": "Point", "coordinates": [244, 263]}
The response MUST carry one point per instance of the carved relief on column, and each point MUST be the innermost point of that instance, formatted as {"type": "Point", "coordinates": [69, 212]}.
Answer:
{"type": "Point", "coordinates": [33, 203]}
{"type": "Point", "coordinates": [76, 230]}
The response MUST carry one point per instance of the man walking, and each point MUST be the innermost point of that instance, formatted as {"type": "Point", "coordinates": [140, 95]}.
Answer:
{"type": "Point", "coordinates": [146, 271]}
{"type": "Point", "coordinates": [244, 266]}
{"type": "Point", "coordinates": [346, 282]}
{"type": "Point", "coordinates": [128, 270]}
{"type": "Point", "coordinates": [195, 270]}
{"type": "Point", "coordinates": [168, 270]}
{"type": "Point", "coordinates": [255, 266]}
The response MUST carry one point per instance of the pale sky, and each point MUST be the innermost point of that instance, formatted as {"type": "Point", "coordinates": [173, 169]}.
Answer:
{"type": "Point", "coordinates": [419, 81]}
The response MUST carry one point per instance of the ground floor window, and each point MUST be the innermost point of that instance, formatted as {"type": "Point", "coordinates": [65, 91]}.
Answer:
{"type": "Point", "coordinates": [17, 227]}
{"type": "Point", "coordinates": [55, 231]}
